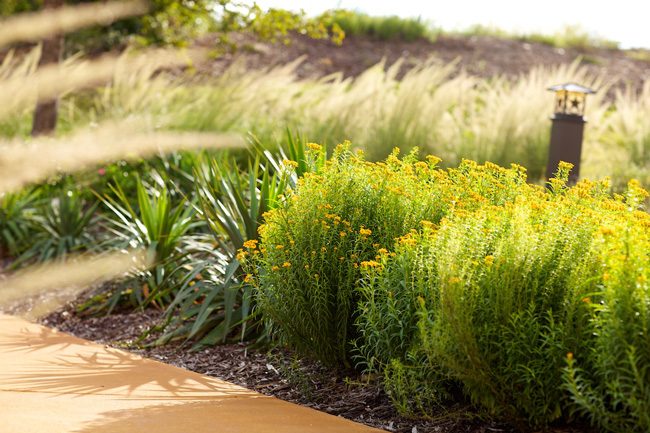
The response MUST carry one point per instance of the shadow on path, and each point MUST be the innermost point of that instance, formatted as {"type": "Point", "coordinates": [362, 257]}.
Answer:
{"type": "Point", "coordinates": [56, 363]}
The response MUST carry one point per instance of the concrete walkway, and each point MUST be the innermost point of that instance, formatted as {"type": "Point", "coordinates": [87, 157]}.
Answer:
{"type": "Point", "coordinates": [51, 382]}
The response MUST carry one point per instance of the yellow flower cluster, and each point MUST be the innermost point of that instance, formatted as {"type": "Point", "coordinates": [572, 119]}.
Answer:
{"type": "Point", "coordinates": [428, 225]}
{"type": "Point", "coordinates": [407, 239]}
{"type": "Point", "coordinates": [606, 230]}
{"type": "Point", "coordinates": [290, 164]}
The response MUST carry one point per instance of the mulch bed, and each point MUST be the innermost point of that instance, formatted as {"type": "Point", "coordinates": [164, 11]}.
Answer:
{"type": "Point", "coordinates": [276, 372]}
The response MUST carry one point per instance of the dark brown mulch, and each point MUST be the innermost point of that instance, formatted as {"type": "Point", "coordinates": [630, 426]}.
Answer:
{"type": "Point", "coordinates": [276, 372]}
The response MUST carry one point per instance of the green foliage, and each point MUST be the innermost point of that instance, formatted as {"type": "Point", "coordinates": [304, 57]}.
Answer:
{"type": "Point", "coordinates": [275, 24]}
{"type": "Point", "coordinates": [16, 228]}
{"type": "Point", "coordinates": [609, 382]}
{"type": "Point", "coordinates": [503, 315]}
{"type": "Point", "coordinates": [168, 22]}
{"type": "Point", "coordinates": [10, 7]}
{"type": "Point", "coordinates": [315, 244]}
{"type": "Point", "coordinates": [466, 278]}
{"type": "Point", "coordinates": [60, 225]}
{"type": "Point", "coordinates": [156, 224]}
{"type": "Point", "coordinates": [219, 302]}
{"type": "Point", "coordinates": [177, 22]}
{"type": "Point", "coordinates": [496, 298]}
{"type": "Point", "coordinates": [416, 391]}
{"type": "Point", "coordinates": [640, 54]}
{"type": "Point", "coordinates": [572, 37]}
{"type": "Point", "coordinates": [382, 28]}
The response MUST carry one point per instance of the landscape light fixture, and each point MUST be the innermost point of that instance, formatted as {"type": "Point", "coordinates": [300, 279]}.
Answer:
{"type": "Point", "coordinates": [567, 128]}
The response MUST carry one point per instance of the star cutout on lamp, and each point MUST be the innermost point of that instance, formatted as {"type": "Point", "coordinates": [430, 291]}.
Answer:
{"type": "Point", "coordinates": [575, 103]}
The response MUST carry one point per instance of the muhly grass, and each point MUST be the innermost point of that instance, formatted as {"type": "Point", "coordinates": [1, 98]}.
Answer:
{"type": "Point", "coordinates": [45, 157]}
{"type": "Point", "coordinates": [18, 90]}
{"type": "Point", "coordinates": [434, 106]}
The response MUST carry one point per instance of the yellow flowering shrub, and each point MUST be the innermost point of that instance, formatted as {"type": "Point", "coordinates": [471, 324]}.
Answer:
{"type": "Point", "coordinates": [492, 300]}
{"type": "Point", "coordinates": [534, 301]}
{"type": "Point", "coordinates": [339, 222]}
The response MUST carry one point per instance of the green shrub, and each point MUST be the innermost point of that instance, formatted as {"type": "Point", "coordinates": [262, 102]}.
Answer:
{"type": "Point", "coordinates": [61, 224]}
{"type": "Point", "coordinates": [16, 225]}
{"type": "Point", "coordinates": [610, 382]}
{"type": "Point", "coordinates": [494, 299]}
{"type": "Point", "coordinates": [383, 28]}
{"type": "Point", "coordinates": [416, 391]}
{"type": "Point", "coordinates": [502, 319]}
{"type": "Point", "coordinates": [315, 243]}
{"type": "Point", "coordinates": [339, 221]}
{"type": "Point", "coordinates": [572, 37]}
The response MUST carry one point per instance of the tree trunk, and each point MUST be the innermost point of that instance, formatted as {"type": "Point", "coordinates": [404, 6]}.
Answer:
{"type": "Point", "coordinates": [46, 112]}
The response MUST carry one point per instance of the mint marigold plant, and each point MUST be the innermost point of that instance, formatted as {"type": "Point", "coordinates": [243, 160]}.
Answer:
{"type": "Point", "coordinates": [334, 225]}
{"type": "Point", "coordinates": [610, 383]}
{"type": "Point", "coordinates": [495, 297]}
{"type": "Point", "coordinates": [315, 245]}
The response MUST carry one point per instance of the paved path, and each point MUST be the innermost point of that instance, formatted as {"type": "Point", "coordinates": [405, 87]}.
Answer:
{"type": "Point", "coordinates": [51, 382]}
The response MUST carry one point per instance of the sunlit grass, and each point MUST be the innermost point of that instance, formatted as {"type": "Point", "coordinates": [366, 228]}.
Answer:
{"type": "Point", "coordinates": [435, 107]}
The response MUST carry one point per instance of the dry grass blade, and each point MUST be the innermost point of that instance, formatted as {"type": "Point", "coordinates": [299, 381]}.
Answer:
{"type": "Point", "coordinates": [19, 66]}
{"type": "Point", "coordinates": [53, 81]}
{"type": "Point", "coordinates": [40, 25]}
{"type": "Point", "coordinates": [69, 277]}
{"type": "Point", "coordinates": [22, 163]}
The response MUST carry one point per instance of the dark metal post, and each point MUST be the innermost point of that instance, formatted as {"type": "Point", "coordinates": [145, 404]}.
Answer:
{"type": "Point", "coordinates": [567, 128]}
{"type": "Point", "coordinates": [566, 144]}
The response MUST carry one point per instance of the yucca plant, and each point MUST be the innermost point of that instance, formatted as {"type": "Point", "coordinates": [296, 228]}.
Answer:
{"type": "Point", "coordinates": [16, 211]}
{"type": "Point", "coordinates": [61, 226]}
{"type": "Point", "coordinates": [157, 225]}
{"type": "Point", "coordinates": [232, 203]}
